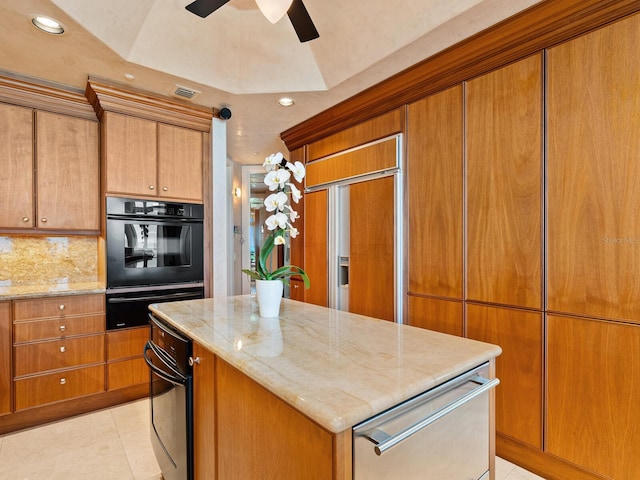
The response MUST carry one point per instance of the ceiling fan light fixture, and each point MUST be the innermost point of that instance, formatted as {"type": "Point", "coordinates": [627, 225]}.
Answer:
{"type": "Point", "coordinates": [274, 10]}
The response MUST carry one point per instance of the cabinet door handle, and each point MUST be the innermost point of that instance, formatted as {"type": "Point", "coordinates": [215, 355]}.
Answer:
{"type": "Point", "coordinates": [43, 220]}
{"type": "Point", "coordinates": [63, 381]}
{"type": "Point", "coordinates": [25, 219]}
{"type": "Point", "coordinates": [62, 328]}
{"type": "Point", "coordinates": [61, 307]}
{"type": "Point", "coordinates": [194, 361]}
{"type": "Point", "coordinates": [151, 187]}
{"type": "Point", "coordinates": [63, 349]}
{"type": "Point", "coordinates": [164, 189]}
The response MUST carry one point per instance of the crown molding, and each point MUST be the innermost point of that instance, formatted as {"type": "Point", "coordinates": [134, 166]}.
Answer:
{"type": "Point", "coordinates": [106, 95]}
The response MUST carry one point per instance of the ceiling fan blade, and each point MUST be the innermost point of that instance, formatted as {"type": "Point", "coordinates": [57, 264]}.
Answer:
{"type": "Point", "coordinates": [204, 8]}
{"type": "Point", "coordinates": [301, 21]}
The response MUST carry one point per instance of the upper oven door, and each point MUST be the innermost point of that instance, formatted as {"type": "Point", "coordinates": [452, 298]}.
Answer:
{"type": "Point", "coordinates": [153, 251]}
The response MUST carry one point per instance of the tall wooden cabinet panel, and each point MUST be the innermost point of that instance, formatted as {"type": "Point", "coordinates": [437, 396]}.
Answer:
{"type": "Point", "coordinates": [68, 166]}
{"type": "Point", "coordinates": [594, 179]}
{"type": "Point", "coordinates": [444, 316]}
{"type": "Point", "coordinates": [204, 408]}
{"type": "Point", "coordinates": [16, 174]}
{"type": "Point", "coordinates": [371, 248]}
{"type": "Point", "coordinates": [519, 367]}
{"type": "Point", "coordinates": [130, 152]}
{"type": "Point", "coordinates": [504, 185]}
{"type": "Point", "coordinates": [593, 419]}
{"type": "Point", "coordinates": [5, 358]}
{"type": "Point", "coordinates": [315, 247]}
{"type": "Point", "coordinates": [435, 194]}
{"type": "Point", "coordinates": [180, 162]}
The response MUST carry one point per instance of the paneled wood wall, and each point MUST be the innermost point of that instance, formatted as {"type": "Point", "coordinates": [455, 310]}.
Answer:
{"type": "Point", "coordinates": [522, 181]}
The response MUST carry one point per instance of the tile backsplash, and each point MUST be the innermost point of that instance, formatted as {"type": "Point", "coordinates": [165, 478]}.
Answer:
{"type": "Point", "coordinates": [47, 260]}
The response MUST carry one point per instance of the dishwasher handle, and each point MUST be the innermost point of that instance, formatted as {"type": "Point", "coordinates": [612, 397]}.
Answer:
{"type": "Point", "coordinates": [383, 441]}
{"type": "Point", "coordinates": [176, 379]}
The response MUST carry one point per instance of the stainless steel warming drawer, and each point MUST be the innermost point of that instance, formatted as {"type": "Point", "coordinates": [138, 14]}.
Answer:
{"type": "Point", "coordinates": [441, 434]}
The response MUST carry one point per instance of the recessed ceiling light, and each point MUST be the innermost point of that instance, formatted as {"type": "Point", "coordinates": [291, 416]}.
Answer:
{"type": "Point", "coordinates": [48, 25]}
{"type": "Point", "coordinates": [286, 101]}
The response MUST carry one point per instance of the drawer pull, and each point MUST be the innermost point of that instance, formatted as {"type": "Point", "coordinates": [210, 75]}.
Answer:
{"type": "Point", "coordinates": [62, 328]}
{"type": "Point", "coordinates": [63, 349]}
{"type": "Point", "coordinates": [63, 381]}
{"type": "Point", "coordinates": [43, 220]}
{"type": "Point", "coordinates": [25, 219]}
{"type": "Point", "coordinates": [61, 307]}
{"type": "Point", "coordinates": [151, 187]}
{"type": "Point", "coordinates": [164, 189]}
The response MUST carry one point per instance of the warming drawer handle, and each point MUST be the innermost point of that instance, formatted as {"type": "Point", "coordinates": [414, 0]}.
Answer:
{"type": "Point", "coordinates": [383, 441]}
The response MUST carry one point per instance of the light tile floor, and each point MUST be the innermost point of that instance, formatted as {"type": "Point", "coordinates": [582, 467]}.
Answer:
{"type": "Point", "coordinates": [110, 444]}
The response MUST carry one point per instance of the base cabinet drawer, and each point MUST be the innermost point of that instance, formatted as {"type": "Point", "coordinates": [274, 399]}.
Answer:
{"type": "Point", "coordinates": [127, 373]}
{"type": "Point", "coordinates": [53, 307]}
{"type": "Point", "coordinates": [54, 387]}
{"type": "Point", "coordinates": [56, 328]}
{"type": "Point", "coordinates": [57, 354]}
{"type": "Point", "coordinates": [126, 343]}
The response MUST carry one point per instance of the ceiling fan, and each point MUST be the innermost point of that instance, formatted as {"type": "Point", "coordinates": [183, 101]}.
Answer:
{"type": "Point", "coordinates": [297, 13]}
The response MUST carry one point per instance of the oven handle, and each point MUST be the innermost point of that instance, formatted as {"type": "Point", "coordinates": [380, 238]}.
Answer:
{"type": "Point", "coordinates": [383, 441]}
{"type": "Point", "coordinates": [176, 379]}
{"type": "Point", "coordinates": [153, 219]}
{"type": "Point", "coordinates": [170, 296]}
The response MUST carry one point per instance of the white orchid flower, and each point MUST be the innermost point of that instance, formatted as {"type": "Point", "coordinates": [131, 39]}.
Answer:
{"type": "Point", "coordinates": [279, 240]}
{"type": "Point", "coordinates": [276, 201]}
{"type": "Point", "coordinates": [272, 161]}
{"type": "Point", "coordinates": [297, 169]}
{"type": "Point", "coordinates": [295, 193]}
{"type": "Point", "coordinates": [293, 231]}
{"type": "Point", "coordinates": [278, 220]}
{"type": "Point", "coordinates": [293, 215]}
{"type": "Point", "coordinates": [276, 179]}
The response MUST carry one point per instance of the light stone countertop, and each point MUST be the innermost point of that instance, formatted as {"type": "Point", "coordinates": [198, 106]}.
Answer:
{"type": "Point", "coordinates": [336, 367]}
{"type": "Point", "coordinates": [19, 292]}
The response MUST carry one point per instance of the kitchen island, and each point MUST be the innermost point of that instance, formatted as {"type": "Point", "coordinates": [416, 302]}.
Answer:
{"type": "Point", "coordinates": [278, 398]}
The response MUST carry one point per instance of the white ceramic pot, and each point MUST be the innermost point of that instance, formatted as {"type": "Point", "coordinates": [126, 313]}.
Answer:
{"type": "Point", "coordinates": [269, 296]}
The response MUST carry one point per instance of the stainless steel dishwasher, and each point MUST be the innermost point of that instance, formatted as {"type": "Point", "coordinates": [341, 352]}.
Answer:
{"type": "Point", "coordinates": [442, 434]}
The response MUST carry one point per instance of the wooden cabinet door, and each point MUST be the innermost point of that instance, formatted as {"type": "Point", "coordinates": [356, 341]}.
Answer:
{"type": "Point", "coordinates": [372, 248]}
{"type": "Point", "coordinates": [68, 178]}
{"type": "Point", "coordinates": [435, 194]}
{"type": "Point", "coordinates": [283, 443]}
{"type": "Point", "coordinates": [444, 316]}
{"type": "Point", "coordinates": [179, 163]}
{"type": "Point", "coordinates": [16, 174]}
{"type": "Point", "coordinates": [519, 367]}
{"type": "Point", "coordinates": [593, 174]}
{"type": "Point", "coordinates": [315, 247]}
{"type": "Point", "coordinates": [130, 152]}
{"type": "Point", "coordinates": [5, 358]}
{"type": "Point", "coordinates": [593, 418]}
{"type": "Point", "coordinates": [204, 414]}
{"type": "Point", "coordinates": [504, 185]}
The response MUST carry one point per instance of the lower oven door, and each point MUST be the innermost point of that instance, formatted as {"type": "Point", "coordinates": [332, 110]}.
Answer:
{"type": "Point", "coordinates": [441, 434]}
{"type": "Point", "coordinates": [171, 417]}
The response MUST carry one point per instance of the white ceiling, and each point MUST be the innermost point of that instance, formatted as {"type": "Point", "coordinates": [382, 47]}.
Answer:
{"type": "Point", "coordinates": [235, 57]}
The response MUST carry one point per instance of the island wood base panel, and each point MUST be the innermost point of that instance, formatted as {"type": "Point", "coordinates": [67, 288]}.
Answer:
{"type": "Point", "coordinates": [539, 462]}
{"type": "Point", "coordinates": [57, 411]}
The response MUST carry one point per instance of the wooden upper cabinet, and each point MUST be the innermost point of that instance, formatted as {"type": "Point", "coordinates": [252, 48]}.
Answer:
{"type": "Point", "coordinates": [180, 162]}
{"type": "Point", "coordinates": [147, 158]}
{"type": "Point", "coordinates": [593, 419]}
{"type": "Point", "coordinates": [504, 185]}
{"type": "Point", "coordinates": [130, 152]}
{"type": "Point", "coordinates": [68, 173]}
{"type": "Point", "coordinates": [593, 174]}
{"type": "Point", "coordinates": [16, 174]}
{"type": "Point", "coordinates": [435, 194]}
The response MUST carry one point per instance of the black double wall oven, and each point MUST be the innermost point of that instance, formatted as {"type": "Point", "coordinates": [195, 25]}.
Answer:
{"type": "Point", "coordinates": [154, 254]}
